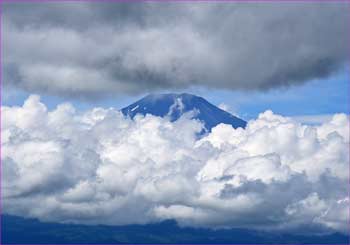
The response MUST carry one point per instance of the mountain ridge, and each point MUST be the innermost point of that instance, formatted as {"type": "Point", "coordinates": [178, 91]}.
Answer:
{"type": "Point", "coordinates": [175, 105]}
{"type": "Point", "coordinates": [18, 230]}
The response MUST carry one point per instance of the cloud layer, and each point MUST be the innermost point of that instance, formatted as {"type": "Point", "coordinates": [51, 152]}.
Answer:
{"type": "Point", "coordinates": [100, 167]}
{"type": "Point", "coordinates": [88, 49]}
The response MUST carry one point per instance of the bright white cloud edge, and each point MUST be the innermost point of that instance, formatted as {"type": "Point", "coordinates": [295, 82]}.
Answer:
{"type": "Point", "coordinates": [98, 167]}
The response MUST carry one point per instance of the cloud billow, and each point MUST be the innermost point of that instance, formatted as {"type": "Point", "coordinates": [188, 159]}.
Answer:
{"type": "Point", "coordinates": [99, 167]}
{"type": "Point", "coordinates": [89, 49]}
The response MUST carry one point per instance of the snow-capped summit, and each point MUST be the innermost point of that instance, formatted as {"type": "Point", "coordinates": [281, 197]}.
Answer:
{"type": "Point", "coordinates": [175, 105]}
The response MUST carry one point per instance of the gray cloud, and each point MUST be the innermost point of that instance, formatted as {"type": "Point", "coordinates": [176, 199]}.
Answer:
{"type": "Point", "coordinates": [89, 49]}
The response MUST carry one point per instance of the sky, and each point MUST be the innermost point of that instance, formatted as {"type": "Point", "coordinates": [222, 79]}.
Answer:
{"type": "Point", "coordinates": [290, 58]}
{"type": "Point", "coordinates": [308, 102]}
{"type": "Point", "coordinates": [68, 67]}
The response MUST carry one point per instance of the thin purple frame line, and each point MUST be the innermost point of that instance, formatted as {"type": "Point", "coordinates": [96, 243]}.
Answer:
{"type": "Point", "coordinates": [348, 114]}
{"type": "Point", "coordinates": [193, 1]}
{"type": "Point", "coordinates": [0, 121]}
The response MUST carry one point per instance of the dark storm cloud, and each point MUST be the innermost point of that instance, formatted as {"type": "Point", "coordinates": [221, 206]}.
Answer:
{"type": "Point", "coordinates": [95, 49]}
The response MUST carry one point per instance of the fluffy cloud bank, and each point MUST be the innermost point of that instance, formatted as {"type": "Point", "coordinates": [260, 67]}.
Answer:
{"type": "Point", "coordinates": [93, 49]}
{"type": "Point", "coordinates": [100, 167]}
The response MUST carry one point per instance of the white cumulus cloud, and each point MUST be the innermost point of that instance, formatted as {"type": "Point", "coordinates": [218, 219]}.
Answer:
{"type": "Point", "coordinates": [99, 167]}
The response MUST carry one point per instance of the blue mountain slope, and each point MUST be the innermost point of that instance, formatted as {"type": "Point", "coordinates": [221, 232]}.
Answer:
{"type": "Point", "coordinates": [175, 105]}
{"type": "Point", "coordinates": [17, 230]}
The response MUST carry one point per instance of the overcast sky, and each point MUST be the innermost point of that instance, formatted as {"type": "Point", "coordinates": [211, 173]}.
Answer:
{"type": "Point", "coordinates": [90, 50]}
{"type": "Point", "coordinates": [288, 57]}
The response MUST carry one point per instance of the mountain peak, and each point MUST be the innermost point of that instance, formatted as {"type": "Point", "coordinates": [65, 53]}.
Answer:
{"type": "Point", "coordinates": [171, 95]}
{"type": "Point", "coordinates": [175, 105]}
